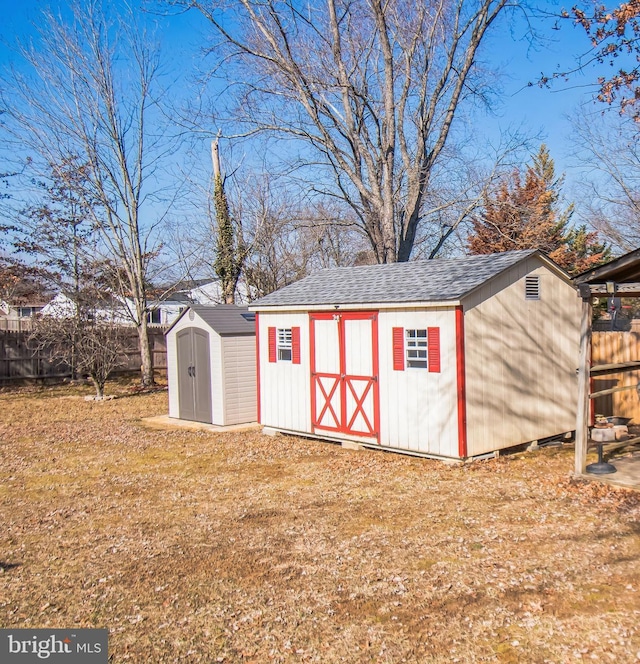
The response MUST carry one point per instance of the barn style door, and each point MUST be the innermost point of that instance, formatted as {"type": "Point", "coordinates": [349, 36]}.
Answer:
{"type": "Point", "coordinates": [344, 373]}
{"type": "Point", "coordinates": [194, 375]}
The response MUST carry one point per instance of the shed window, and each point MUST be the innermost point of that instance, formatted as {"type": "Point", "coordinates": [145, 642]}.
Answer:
{"type": "Point", "coordinates": [419, 347]}
{"type": "Point", "coordinates": [532, 288]}
{"type": "Point", "coordinates": [284, 344]}
{"type": "Point", "coordinates": [416, 348]}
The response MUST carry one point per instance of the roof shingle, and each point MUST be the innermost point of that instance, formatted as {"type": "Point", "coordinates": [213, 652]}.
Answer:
{"type": "Point", "coordinates": [418, 281]}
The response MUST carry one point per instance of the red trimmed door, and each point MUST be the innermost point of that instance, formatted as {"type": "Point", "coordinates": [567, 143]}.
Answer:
{"type": "Point", "coordinates": [345, 396]}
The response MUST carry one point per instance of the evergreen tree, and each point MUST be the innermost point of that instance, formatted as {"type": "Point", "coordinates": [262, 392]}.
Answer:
{"type": "Point", "coordinates": [525, 212]}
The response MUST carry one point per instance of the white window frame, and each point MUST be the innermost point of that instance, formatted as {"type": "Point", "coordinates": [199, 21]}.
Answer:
{"type": "Point", "coordinates": [284, 345]}
{"type": "Point", "coordinates": [416, 348]}
{"type": "Point", "coordinates": [154, 313]}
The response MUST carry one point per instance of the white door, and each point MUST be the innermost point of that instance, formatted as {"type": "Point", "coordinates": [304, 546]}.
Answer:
{"type": "Point", "coordinates": [344, 373]}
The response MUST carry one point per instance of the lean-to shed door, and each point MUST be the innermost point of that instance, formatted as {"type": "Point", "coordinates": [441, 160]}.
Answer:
{"type": "Point", "coordinates": [194, 375]}
{"type": "Point", "coordinates": [344, 373]}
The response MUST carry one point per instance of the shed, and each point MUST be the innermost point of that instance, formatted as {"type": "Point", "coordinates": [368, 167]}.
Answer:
{"type": "Point", "coordinates": [211, 365]}
{"type": "Point", "coordinates": [448, 358]}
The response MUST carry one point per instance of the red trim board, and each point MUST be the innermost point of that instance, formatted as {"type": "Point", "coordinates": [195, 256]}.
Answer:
{"type": "Point", "coordinates": [461, 383]}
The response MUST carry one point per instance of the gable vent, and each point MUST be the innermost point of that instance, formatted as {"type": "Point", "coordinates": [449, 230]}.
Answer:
{"type": "Point", "coordinates": [532, 288]}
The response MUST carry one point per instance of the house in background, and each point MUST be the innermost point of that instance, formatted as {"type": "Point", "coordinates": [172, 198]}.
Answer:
{"type": "Point", "coordinates": [20, 301]}
{"type": "Point", "coordinates": [113, 309]}
{"type": "Point", "coordinates": [22, 308]}
{"type": "Point", "coordinates": [452, 358]}
{"type": "Point", "coordinates": [166, 312]}
{"type": "Point", "coordinates": [107, 307]}
{"type": "Point", "coordinates": [207, 291]}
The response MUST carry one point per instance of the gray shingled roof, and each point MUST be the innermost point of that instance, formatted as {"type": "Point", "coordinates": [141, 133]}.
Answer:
{"type": "Point", "coordinates": [225, 319]}
{"type": "Point", "coordinates": [419, 281]}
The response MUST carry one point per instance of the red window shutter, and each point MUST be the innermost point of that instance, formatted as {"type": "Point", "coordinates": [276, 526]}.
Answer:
{"type": "Point", "coordinates": [295, 345]}
{"type": "Point", "coordinates": [433, 349]}
{"type": "Point", "coordinates": [398, 349]}
{"type": "Point", "coordinates": [272, 344]}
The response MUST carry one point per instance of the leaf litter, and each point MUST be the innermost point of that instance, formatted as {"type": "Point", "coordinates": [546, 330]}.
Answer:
{"type": "Point", "coordinates": [192, 546]}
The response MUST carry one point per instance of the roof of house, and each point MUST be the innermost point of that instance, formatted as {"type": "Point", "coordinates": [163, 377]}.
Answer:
{"type": "Point", "coordinates": [418, 281]}
{"type": "Point", "coordinates": [225, 319]}
{"type": "Point", "coordinates": [174, 300]}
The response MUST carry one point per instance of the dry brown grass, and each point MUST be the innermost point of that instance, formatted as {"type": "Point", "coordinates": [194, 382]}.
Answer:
{"type": "Point", "coordinates": [201, 547]}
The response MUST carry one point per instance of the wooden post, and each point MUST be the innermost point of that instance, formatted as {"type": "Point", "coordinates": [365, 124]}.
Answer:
{"type": "Point", "coordinates": [215, 158]}
{"type": "Point", "coordinates": [584, 380]}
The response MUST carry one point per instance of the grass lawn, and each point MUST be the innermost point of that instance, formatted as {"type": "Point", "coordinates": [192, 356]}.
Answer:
{"type": "Point", "coordinates": [239, 547]}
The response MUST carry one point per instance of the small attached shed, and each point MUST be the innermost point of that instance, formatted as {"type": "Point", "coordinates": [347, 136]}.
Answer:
{"type": "Point", "coordinates": [451, 358]}
{"type": "Point", "coordinates": [211, 365]}
{"type": "Point", "coordinates": [620, 277]}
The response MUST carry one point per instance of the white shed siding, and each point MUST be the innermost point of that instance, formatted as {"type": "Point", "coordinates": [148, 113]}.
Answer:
{"type": "Point", "coordinates": [521, 359]}
{"type": "Point", "coordinates": [285, 392]}
{"type": "Point", "coordinates": [172, 374]}
{"type": "Point", "coordinates": [418, 409]}
{"type": "Point", "coordinates": [217, 379]}
{"type": "Point", "coordinates": [239, 378]}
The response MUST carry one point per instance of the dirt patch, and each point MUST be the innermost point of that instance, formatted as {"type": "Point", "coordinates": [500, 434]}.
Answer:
{"type": "Point", "coordinates": [195, 546]}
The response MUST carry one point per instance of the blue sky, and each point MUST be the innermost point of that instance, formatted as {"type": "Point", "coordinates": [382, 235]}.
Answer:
{"type": "Point", "coordinates": [538, 111]}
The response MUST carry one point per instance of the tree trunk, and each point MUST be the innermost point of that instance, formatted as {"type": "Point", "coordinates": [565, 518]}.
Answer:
{"type": "Point", "coordinates": [145, 353]}
{"type": "Point", "coordinates": [99, 385]}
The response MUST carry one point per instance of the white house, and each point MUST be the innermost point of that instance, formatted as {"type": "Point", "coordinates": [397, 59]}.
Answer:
{"type": "Point", "coordinates": [166, 312]}
{"type": "Point", "coordinates": [210, 292]}
{"type": "Point", "coordinates": [211, 365]}
{"type": "Point", "coordinates": [109, 308]}
{"type": "Point", "coordinates": [450, 358]}
{"type": "Point", "coordinates": [115, 309]}
{"type": "Point", "coordinates": [23, 306]}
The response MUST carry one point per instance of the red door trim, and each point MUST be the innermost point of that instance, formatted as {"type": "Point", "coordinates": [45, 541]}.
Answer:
{"type": "Point", "coordinates": [376, 377]}
{"type": "Point", "coordinates": [343, 380]}
{"type": "Point", "coordinates": [312, 370]}
{"type": "Point", "coordinates": [461, 383]}
{"type": "Point", "coordinates": [360, 403]}
{"type": "Point", "coordinates": [327, 401]}
{"type": "Point", "coordinates": [343, 371]}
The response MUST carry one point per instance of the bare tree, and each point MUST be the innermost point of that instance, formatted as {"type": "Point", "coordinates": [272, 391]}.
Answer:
{"type": "Point", "coordinates": [95, 347]}
{"type": "Point", "coordinates": [609, 152]}
{"type": "Point", "coordinates": [372, 88]}
{"type": "Point", "coordinates": [333, 238]}
{"type": "Point", "coordinates": [55, 234]}
{"type": "Point", "coordinates": [288, 236]}
{"type": "Point", "coordinates": [92, 92]}
{"type": "Point", "coordinates": [278, 254]}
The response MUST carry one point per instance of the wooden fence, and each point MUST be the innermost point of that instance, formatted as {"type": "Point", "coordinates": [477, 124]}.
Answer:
{"type": "Point", "coordinates": [19, 361]}
{"type": "Point", "coordinates": [16, 324]}
{"type": "Point", "coordinates": [612, 347]}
